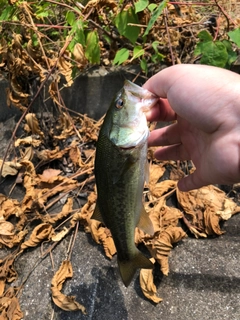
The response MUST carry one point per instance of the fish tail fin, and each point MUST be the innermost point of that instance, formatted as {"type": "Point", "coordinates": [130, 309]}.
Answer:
{"type": "Point", "coordinates": [128, 268]}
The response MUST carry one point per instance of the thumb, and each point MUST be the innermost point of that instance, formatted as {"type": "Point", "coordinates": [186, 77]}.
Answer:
{"type": "Point", "coordinates": [193, 181]}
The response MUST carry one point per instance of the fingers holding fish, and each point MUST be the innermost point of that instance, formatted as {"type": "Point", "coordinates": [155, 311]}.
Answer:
{"type": "Point", "coordinates": [165, 136]}
{"type": "Point", "coordinates": [161, 111]}
{"type": "Point", "coordinates": [174, 152]}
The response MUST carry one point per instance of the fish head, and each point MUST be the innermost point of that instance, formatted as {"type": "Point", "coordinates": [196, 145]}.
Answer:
{"type": "Point", "coordinates": [129, 124]}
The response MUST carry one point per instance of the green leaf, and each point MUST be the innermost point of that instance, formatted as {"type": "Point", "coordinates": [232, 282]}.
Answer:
{"type": "Point", "coordinates": [157, 57]}
{"type": "Point", "coordinates": [198, 49]}
{"type": "Point", "coordinates": [78, 31]}
{"type": "Point", "coordinates": [138, 51]}
{"type": "Point", "coordinates": [70, 17]}
{"type": "Point", "coordinates": [78, 34]}
{"type": "Point", "coordinates": [228, 45]}
{"type": "Point", "coordinates": [42, 14]}
{"type": "Point", "coordinates": [214, 54]}
{"type": "Point", "coordinates": [204, 35]}
{"type": "Point", "coordinates": [121, 56]}
{"type": "Point", "coordinates": [6, 13]}
{"type": "Point", "coordinates": [35, 40]}
{"type": "Point", "coordinates": [154, 45]}
{"type": "Point", "coordinates": [152, 7]}
{"type": "Point", "coordinates": [143, 65]}
{"type": "Point", "coordinates": [92, 49]}
{"type": "Point", "coordinates": [123, 19]}
{"type": "Point", "coordinates": [232, 55]}
{"type": "Point", "coordinates": [140, 5]}
{"type": "Point", "coordinates": [156, 13]}
{"type": "Point", "coordinates": [235, 36]}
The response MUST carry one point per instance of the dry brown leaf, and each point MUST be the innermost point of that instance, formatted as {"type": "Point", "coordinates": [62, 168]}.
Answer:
{"type": "Point", "coordinates": [106, 239]}
{"type": "Point", "coordinates": [49, 173]}
{"type": "Point", "coordinates": [9, 306]}
{"type": "Point", "coordinates": [66, 211]}
{"type": "Point", "coordinates": [65, 68]}
{"type": "Point", "coordinates": [75, 155]}
{"type": "Point", "coordinates": [9, 207]}
{"type": "Point", "coordinates": [7, 273]}
{"type": "Point", "coordinates": [102, 235]}
{"type": "Point", "coordinates": [205, 208]}
{"type": "Point", "coordinates": [9, 168]}
{"type": "Point", "coordinates": [79, 54]}
{"type": "Point", "coordinates": [147, 285]}
{"type": "Point", "coordinates": [211, 221]}
{"type": "Point", "coordinates": [88, 208]}
{"type": "Point", "coordinates": [27, 154]}
{"type": "Point", "coordinates": [89, 129]}
{"type": "Point", "coordinates": [163, 216]}
{"type": "Point", "coordinates": [67, 303]}
{"type": "Point", "coordinates": [156, 171]}
{"type": "Point", "coordinates": [89, 153]}
{"type": "Point", "coordinates": [8, 233]}
{"type": "Point", "coordinates": [60, 235]}
{"type": "Point", "coordinates": [41, 232]}
{"type": "Point", "coordinates": [161, 246]}
{"type": "Point", "coordinates": [2, 286]}
{"type": "Point", "coordinates": [93, 226]}
{"type": "Point", "coordinates": [32, 124]}
{"type": "Point", "coordinates": [140, 236]}
{"type": "Point", "coordinates": [176, 174]}
{"type": "Point", "coordinates": [47, 154]}
{"type": "Point", "coordinates": [100, 3]}
{"type": "Point", "coordinates": [77, 216]}
{"type": "Point", "coordinates": [6, 228]}
{"type": "Point", "coordinates": [158, 189]}
{"type": "Point", "coordinates": [12, 240]}
{"type": "Point", "coordinates": [27, 140]}
{"type": "Point", "coordinates": [46, 188]}
{"type": "Point", "coordinates": [66, 126]}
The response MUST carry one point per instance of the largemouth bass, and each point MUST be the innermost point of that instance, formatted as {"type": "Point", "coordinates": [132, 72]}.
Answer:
{"type": "Point", "coordinates": [120, 171]}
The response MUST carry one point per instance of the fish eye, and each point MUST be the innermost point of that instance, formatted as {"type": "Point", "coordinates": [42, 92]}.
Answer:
{"type": "Point", "coordinates": [119, 103]}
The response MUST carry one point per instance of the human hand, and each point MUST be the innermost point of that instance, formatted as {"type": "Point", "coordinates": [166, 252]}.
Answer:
{"type": "Point", "coordinates": [205, 101]}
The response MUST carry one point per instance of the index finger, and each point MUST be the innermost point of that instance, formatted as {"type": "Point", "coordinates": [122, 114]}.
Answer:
{"type": "Point", "coordinates": [161, 111]}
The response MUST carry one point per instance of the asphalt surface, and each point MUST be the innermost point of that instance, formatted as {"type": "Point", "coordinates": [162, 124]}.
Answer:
{"type": "Point", "coordinates": [203, 284]}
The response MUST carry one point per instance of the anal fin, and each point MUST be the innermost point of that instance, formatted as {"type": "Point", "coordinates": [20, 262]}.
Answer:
{"type": "Point", "coordinates": [145, 223]}
{"type": "Point", "coordinates": [97, 214]}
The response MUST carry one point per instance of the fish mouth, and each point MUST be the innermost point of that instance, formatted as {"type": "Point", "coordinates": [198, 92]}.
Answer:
{"type": "Point", "coordinates": [127, 148]}
{"type": "Point", "coordinates": [144, 98]}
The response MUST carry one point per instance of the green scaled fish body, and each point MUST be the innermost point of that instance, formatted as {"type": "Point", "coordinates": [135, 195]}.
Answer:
{"type": "Point", "coordinates": [120, 171]}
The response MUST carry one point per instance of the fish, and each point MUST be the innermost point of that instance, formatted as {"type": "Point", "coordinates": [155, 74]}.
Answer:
{"type": "Point", "coordinates": [121, 169]}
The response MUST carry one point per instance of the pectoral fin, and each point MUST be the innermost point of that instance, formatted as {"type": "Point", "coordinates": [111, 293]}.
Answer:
{"type": "Point", "coordinates": [97, 214]}
{"type": "Point", "coordinates": [145, 223]}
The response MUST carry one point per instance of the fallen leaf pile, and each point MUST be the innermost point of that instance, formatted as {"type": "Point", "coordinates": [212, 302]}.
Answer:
{"type": "Point", "coordinates": [58, 175]}
{"type": "Point", "coordinates": [54, 174]}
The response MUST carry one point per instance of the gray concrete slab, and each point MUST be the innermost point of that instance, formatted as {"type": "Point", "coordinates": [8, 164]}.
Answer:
{"type": "Point", "coordinates": [91, 92]}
